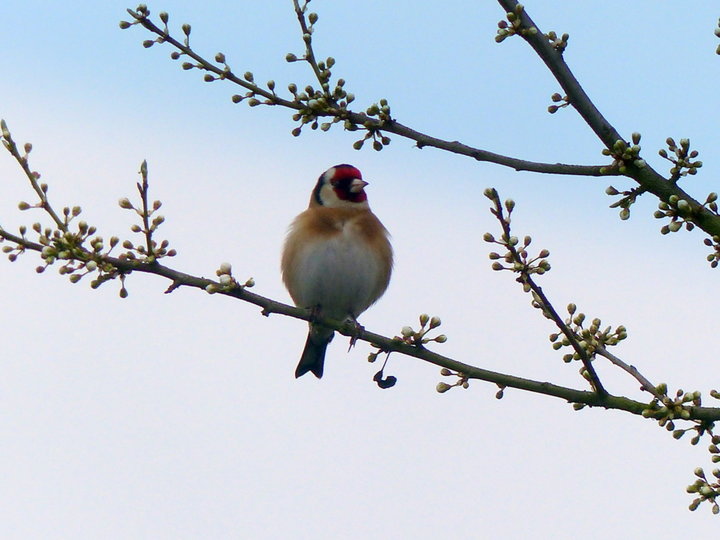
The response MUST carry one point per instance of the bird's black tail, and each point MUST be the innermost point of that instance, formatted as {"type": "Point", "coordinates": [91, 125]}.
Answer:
{"type": "Point", "coordinates": [313, 356]}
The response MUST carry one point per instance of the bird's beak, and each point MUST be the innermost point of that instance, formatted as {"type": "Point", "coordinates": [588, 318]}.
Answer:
{"type": "Point", "coordinates": [357, 185]}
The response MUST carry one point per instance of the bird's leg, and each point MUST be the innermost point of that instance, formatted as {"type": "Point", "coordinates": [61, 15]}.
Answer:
{"type": "Point", "coordinates": [315, 313]}
{"type": "Point", "coordinates": [356, 328]}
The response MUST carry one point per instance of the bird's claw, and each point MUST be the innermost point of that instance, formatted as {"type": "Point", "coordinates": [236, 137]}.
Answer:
{"type": "Point", "coordinates": [356, 329]}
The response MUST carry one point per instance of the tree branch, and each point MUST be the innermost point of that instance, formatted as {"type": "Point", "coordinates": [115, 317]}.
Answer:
{"type": "Point", "coordinates": [644, 175]}
{"type": "Point", "coordinates": [269, 306]}
{"type": "Point", "coordinates": [356, 119]}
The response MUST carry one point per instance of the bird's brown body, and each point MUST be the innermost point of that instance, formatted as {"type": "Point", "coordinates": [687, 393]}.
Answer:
{"type": "Point", "coordinates": [337, 258]}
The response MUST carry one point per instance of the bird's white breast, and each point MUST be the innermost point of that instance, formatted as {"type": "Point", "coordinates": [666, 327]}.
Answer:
{"type": "Point", "coordinates": [341, 273]}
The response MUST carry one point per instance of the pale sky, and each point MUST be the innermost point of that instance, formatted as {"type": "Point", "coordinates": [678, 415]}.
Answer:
{"type": "Point", "coordinates": [178, 416]}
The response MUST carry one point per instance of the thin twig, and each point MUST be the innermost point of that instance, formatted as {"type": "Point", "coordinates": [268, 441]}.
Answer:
{"type": "Point", "coordinates": [309, 52]}
{"type": "Point", "coordinates": [546, 305]}
{"type": "Point", "coordinates": [645, 384]}
{"type": "Point", "coordinates": [32, 177]}
{"type": "Point", "coordinates": [143, 189]}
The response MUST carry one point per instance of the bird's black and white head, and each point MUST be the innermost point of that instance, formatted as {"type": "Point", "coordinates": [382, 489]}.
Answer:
{"type": "Point", "coordinates": [340, 186]}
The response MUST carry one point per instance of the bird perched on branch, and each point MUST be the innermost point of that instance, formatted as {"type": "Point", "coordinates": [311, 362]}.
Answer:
{"type": "Point", "coordinates": [337, 258]}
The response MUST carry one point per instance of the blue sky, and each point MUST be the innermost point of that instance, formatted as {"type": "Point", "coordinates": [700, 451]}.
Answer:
{"type": "Point", "coordinates": [177, 416]}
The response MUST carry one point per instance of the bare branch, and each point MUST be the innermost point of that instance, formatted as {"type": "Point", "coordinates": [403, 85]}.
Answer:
{"type": "Point", "coordinates": [646, 176]}
{"type": "Point", "coordinates": [356, 119]}
{"type": "Point", "coordinates": [645, 384]}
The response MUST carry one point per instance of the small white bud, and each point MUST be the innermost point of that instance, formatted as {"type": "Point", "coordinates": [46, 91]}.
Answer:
{"type": "Point", "coordinates": [225, 268]}
{"type": "Point", "coordinates": [407, 331]}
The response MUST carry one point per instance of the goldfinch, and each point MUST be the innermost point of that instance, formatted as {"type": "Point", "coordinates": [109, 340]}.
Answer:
{"type": "Point", "coordinates": [337, 258]}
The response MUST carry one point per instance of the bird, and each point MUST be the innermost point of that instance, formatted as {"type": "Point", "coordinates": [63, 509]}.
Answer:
{"type": "Point", "coordinates": [336, 260]}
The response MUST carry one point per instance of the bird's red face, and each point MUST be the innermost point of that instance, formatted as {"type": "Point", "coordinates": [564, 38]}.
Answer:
{"type": "Point", "coordinates": [348, 184]}
{"type": "Point", "coordinates": [341, 185]}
